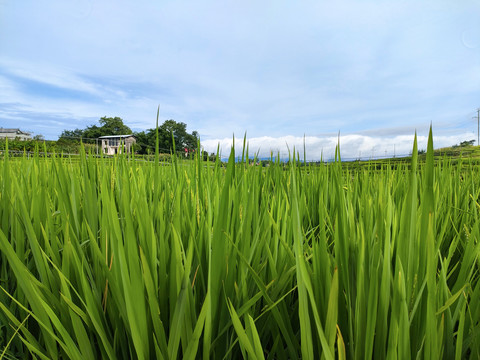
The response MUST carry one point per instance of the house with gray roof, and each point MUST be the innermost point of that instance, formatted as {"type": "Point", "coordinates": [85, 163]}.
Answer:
{"type": "Point", "coordinates": [14, 134]}
{"type": "Point", "coordinates": [111, 144]}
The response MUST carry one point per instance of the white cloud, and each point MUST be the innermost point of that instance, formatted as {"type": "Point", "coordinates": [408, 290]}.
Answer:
{"type": "Point", "coordinates": [53, 76]}
{"type": "Point", "coordinates": [352, 146]}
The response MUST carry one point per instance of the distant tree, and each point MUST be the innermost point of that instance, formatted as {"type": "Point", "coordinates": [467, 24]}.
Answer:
{"type": "Point", "coordinates": [464, 144]}
{"type": "Point", "coordinates": [146, 139]}
{"type": "Point", "coordinates": [108, 126]}
{"type": "Point", "coordinates": [71, 134]}
{"type": "Point", "coordinates": [467, 143]}
{"type": "Point", "coordinates": [93, 132]}
{"type": "Point", "coordinates": [204, 155]}
{"type": "Point", "coordinates": [179, 131]}
{"type": "Point", "coordinates": [211, 157]}
{"type": "Point", "coordinates": [114, 126]}
{"type": "Point", "coordinates": [39, 137]}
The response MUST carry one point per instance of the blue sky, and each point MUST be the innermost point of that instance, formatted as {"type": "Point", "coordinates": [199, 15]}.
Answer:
{"type": "Point", "coordinates": [374, 70]}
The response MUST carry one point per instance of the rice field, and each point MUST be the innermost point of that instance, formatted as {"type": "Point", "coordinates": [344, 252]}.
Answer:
{"type": "Point", "coordinates": [119, 259]}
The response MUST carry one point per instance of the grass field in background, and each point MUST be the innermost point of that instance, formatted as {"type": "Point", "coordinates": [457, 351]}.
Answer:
{"type": "Point", "coordinates": [103, 258]}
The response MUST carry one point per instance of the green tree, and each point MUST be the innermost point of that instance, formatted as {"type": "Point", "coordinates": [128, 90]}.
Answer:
{"type": "Point", "coordinates": [108, 126]}
{"type": "Point", "coordinates": [73, 135]}
{"type": "Point", "coordinates": [183, 139]}
{"type": "Point", "coordinates": [93, 132]}
{"type": "Point", "coordinates": [464, 144]}
{"type": "Point", "coordinates": [114, 126]}
{"type": "Point", "coordinates": [467, 143]}
{"type": "Point", "coordinates": [145, 141]}
{"type": "Point", "coordinates": [179, 130]}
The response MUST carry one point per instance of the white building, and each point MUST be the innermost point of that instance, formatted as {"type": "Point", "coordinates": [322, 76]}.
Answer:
{"type": "Point", "coordinates": [110, 145]}
{"type": "Point", "coordinates": [12, 134]}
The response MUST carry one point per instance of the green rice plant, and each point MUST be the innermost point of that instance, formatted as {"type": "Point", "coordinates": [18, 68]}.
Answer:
{"type": "Point", "coordinates": [119, 258]}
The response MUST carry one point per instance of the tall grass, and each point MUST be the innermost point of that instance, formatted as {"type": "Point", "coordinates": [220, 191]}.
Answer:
{"type": "Point", "coordinates": [114, 259]}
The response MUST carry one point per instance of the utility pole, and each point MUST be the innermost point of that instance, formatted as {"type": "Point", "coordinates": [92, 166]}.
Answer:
{"type": "Point", "coordinates": [478, 126]}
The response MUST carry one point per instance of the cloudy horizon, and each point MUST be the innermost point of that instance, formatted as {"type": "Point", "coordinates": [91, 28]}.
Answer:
{"type": "Point", "coordinates": [352, 147]}
{"type": "Point", "coordinates": [375, 72]}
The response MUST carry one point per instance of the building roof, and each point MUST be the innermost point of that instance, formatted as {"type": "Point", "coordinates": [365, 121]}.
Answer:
{"type": "Point", "coordinates": [13, 131]}
{"type": "Point", "coordinates": [116, 136]}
